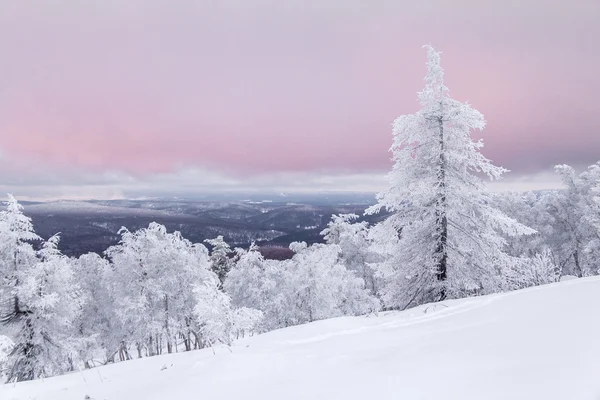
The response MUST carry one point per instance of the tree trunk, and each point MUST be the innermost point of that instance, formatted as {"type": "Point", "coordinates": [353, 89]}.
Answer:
{"type": "Point", "coordinates": [167, 330]}
{"type": "Point", "coordinates": [578, 269]}
{"type": "Point", "coordinates": [441, 217]}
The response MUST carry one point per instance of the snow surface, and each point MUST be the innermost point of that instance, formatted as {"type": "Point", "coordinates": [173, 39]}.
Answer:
{"type": "Point", "coordinates": [537, 343]}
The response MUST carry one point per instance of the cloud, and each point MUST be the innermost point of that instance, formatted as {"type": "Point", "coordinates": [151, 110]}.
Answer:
{"type": "Point", "coordinates": [542, 180]}
{"type": "Point", "coordinates": [45, 183]}
{"type": "Point", "coordinates": [109, 93]}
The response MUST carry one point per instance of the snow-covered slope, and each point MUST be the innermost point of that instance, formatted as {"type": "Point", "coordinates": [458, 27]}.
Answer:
{"type": "Point", "coordinates": [539, 343]}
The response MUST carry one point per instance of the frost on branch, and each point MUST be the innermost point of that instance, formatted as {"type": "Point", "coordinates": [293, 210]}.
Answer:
{"type": "Point", "coordinates": [49, 303]}
{"type": "Point", "coordinates": [356, 253]}
{"type": "Point", "coordinates": [220, 261]}
{"type": "Point", "coordinates": [451, 235]}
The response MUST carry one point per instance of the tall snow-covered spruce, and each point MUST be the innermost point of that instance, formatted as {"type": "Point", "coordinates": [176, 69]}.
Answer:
{"type": "Point", "coordinates": [17, 257]}
{"type": "Point", "coordinates": [451, 236]}
{"type": "Point", "coordinates": [46, 344]}
{"type": "Point", "coordinates": [220, 262]}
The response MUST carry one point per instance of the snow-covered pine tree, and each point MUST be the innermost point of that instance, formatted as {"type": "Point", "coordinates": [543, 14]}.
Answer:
{"type": "Point", "coordinates": [451, 241]}
{"type": "Point", "coordinates": [220, 262]}
{"type": "Point", "coordinates": [50, 301]}
{"type": "Point", "coordinates": [16, 257]}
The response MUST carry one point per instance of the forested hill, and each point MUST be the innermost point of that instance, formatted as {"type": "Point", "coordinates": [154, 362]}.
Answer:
{"type": "Point", "coordinates": [92, 226]}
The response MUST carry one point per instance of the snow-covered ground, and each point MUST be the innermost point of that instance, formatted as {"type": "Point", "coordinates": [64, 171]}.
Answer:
{"type": "Point", "coordinates": [539, 343]}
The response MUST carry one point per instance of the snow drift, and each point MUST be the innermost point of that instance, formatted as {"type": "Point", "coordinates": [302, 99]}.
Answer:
{"type": "Point", "coordinates": [537, 343]}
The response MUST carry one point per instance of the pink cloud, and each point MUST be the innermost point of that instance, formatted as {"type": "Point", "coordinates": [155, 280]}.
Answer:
{"type": "Point", "coordinates": [148, 87]}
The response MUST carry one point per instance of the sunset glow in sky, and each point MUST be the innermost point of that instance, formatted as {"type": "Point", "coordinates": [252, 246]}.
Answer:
{"type": "Point", "coordinates": [120, 98]}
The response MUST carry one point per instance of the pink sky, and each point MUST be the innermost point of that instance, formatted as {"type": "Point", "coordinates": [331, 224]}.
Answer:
{"type": "Point", "coordinates": [249, 88]}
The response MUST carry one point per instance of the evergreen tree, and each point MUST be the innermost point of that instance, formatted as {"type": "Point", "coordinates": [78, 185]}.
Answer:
{"type": "Point", "coordinates": [450, 242]}
{"type": "Point", "coordinates": [16, 255]}
{"type": "Point", "coordinates": [16, 258]}
{"type": "Point", "coordinates": [49, 302]}
{"type": "Point", "coordinates": [220, 261]}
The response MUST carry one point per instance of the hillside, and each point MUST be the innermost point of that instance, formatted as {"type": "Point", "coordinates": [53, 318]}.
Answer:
{"type": "Point", "coordinates": [538, 343]}
{"type": "Point", "coordinates": [93, 225]}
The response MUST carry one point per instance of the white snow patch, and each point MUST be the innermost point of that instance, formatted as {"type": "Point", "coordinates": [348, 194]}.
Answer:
{"type": "Point", "coordinates": [538, 343]}
{"type": "Point", "coordinates": [565, 278]}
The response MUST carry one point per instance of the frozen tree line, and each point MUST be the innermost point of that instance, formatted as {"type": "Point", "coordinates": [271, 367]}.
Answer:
{"type": "Point", "coordinates": [153, 293]}
{"type": "Point", "coordinates": [567, 222]}
{"type": "Point", "coordinates": [446, 237]}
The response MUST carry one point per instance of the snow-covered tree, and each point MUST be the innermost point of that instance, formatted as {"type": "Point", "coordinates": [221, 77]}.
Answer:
{"type": "Point", "coordinates": [352, 238]}
{"type": "Point", "coordinates": [156, 273]}
{"type": "Point", "coordinates": [532, 271]}
{"type": "Point", "coordinates": [16, 258]}
{"type": "Point", "coordinates": [49, 302]}
{"type": "Point", "coordinates": [97, 325]}
{"type": "Point", "coordinates": [16, 255]}
{"type": "Point", "coordinates": [6, 345]}
{"type": "Point", "coordinates": [218, 321]}
{"type": "Point", "coordinates": [260, 284]}
{"type": "Point", "coordinates": [557, 217]}
{"type": "Point", "coordinates": [313, 285]}
{"type": "Point", "coordinates": [451, 235]}
{"type": "Point", "coordinates": [246, 321]}
{"type": "Point", "coordinates": [220, 262]}
{"type": "Point", "coordinates": [577, 212]}
{"type": "Point", "coordinates": [593, 248]}
{"type": "Point", "coordinates": [322, 287]}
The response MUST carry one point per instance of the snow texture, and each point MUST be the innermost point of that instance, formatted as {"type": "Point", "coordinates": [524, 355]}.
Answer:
{"type": "Point", "coordinates": [536, 343]}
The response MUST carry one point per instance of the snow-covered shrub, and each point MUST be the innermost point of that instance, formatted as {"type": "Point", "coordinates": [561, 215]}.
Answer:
{"type": "Point", "coordinates": [355, 248]}
{"type": "Point", "coordinates": [246, 321]}
{"type": "Point", "coordinates": [321, 287]}
{"type": "Point", "coordinates": [260, 284]}
{"type": "Point", "coordinates": [532, 271]}
{"type": "Point", "coordinates": [218, 322]}
{"type": "Point", "coordinates": [5, 348]}
{"type": "Point", "coordinates": [313, 285]}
